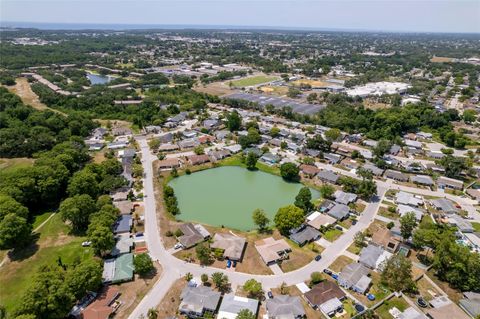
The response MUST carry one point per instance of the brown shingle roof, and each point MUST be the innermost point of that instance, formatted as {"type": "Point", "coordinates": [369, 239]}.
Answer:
{"type": "Point", "coordinates": [101, 307]}
{"type": "Point", "coordinates": [323, 292]}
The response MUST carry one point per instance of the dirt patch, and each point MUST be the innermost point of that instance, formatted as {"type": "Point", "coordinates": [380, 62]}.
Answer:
{"type": "Point", "coordinates": [133, 292]}
{"type": "Point", "coordinates": [215, 88]}
{"type": "Point", "coordinates": [340, 262]}
{"type": "Point", "coordinates": [168, 307]}
{"type": "Point", "coordinates": [24, 91]}
{"type": "Point", "coordinates": [439, 59]}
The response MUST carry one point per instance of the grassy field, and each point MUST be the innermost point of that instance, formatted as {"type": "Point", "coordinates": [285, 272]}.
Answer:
{"type": "Point", "coordinates": [398, 303]}
{"type": "Point", "coordinates": [439, 59]}
{"type": "Point", "coordinates": [254, 80]}
{"type": "Point", "coordinates": [476, 226]}
{"type": "Point", "coordinates": [332, 234]}
{"type": "Point", "coordinates": [340, 262]}
{"type": "Point", "coordinates": [13, 163]}
{"type": "Point", "coordinates": [23, 90]}
{"type": "Point", "coordinates": [54, 242]}
{"type": "Point", "coordinates": [39, 219]}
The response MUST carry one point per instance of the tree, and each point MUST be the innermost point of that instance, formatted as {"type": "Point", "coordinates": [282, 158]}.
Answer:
{"type": "Point", "coordinates": [101, 237]}
{"type": "Point", "coordinates": [288, 217]}
{"type": "Point", "coordinates": [260, 219]}
{"type": "Point", "coordinates": [83, 182]}
{"type": "Point", "coordinates": [359, 239]}
{"type": "Point", "coordinates": [221, 281]}
{"type": "Point", "coordinates": [383, 147]}
{"type": "Point", "coordinates": [318, 143]}
{"type": "Point", "coordinates": [408, 222]}
{"type": "Point", "coordinates": [15, 231]}
{"type": "Point", "coordinates": [143, 264]}
{"type": "Point", "coordinates": [453, 165]}
{"type": "Point", "coordinates": [251, 161]}
{"type": "Point", "coordinates": [304, 199]}
{"type": "Point", "coordinates": [188, 276]}
{"type": "Point", "coordinates": [234, 121]}
{"type": "Point", "coordinates": [245, 314]}
{"type": "Point", "coordinates": [293, 92]}
{"type": "Point", "coordinates": [203, 254]}
{"type": "Point", "coordinates": [152, 313]}
{"type": "Point", "coordinates": [199, 150]}
{"type": "Point", "coordinates": [204, 278]}
{"type": "Point", "coordinates": [253, 288]}
{"type": "Point", "coordinates": [289, 171]}
{"type": "Point", "coordinates": [77, 210]}
{"type": "Point", "coordinates": [333, 134]}
{"type": "Point", "coordinates": [367, 189]}
{"type": "Point", "coordinates": [469, 116]}
{"type": "Point", "coordinates": [316, 277]}
{"type": "Point", "coordinates": [274, 131]}
{"type": "Point", "coordinates": [8, 205]}
{"type": "Point", "coordinates": [327, 191]}
{"type": "Point", "coordinates": [397, 273]}
{"type": "Point", "coordinates": [86, 276]}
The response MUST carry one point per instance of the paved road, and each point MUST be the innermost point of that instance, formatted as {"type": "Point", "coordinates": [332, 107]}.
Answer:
{"type": "Point", "coordinates": [174, 268]}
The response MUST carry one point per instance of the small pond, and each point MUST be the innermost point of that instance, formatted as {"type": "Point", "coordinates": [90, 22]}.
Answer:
{"type": "Point", "coordinates": [228, 196]}
{"type": "Point", "coordinates": [98, 78]}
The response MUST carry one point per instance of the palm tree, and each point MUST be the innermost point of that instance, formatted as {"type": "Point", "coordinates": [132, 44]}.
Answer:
{"type": "Point", "coordinates": [152, 313]}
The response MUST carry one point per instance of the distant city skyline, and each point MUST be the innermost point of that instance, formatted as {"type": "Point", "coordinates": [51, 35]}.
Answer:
{"type": "Point", "coordinates": [461, 16]}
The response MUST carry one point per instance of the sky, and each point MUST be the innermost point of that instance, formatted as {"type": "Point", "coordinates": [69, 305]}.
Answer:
{"type": "Point", "coordinates": [379, 15]}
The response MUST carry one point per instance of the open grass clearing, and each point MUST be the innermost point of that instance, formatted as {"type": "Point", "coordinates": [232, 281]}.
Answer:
{"type": "Point", "coordinates": [396, 302]}
{"type": "Point", "coordinates": [299, 257]}
{"type": "Point", "coordinates": [24, 91]}
{"type": "Point", "coordinates": [340, 262]}
{"type": "Point", "coordinates": [7, 164]}
{"type": "Point", "coordinates": [476, 226]}
{"type": "Point", "coordinates": [332, 234]}
{"type": "Point", "coordinates": [39, 219]}
{"type": "Point", "coordinates": [254, 80]}
{"type": "Point", "coordinates": [453, 294]}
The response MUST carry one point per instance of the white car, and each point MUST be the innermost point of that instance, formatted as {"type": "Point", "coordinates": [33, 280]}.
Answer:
{"type": "Point", "coordinates": [177, 246]}
{"type": "Point", "coordinates": [86, 243]}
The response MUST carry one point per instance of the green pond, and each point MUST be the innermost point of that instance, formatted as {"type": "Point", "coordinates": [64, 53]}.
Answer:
{"type": "Point", "coordinates": [228, 196]}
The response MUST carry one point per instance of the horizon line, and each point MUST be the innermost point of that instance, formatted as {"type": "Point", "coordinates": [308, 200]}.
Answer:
{"type": "Point", "coordinates": [84, 26]}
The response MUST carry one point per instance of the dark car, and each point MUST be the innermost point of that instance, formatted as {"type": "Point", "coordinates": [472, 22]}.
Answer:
{"type": "Point", "coordinates": [339, 227]}
{"type": "Point", "coordinates": [318, 257]}
{"type": "Point", "coordinates": [354, 221]}
{"type": "Point", "coordinates": [327, 271]}
{"type": "Point", "coordinates": [359, 308]}
{"type": "Point", "coordinates": [270, 295]}
{"type": "Point", "coordinates": [422, 303]}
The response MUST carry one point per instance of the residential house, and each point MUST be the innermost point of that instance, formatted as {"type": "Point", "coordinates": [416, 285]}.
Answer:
{"type": "Point", "coordinates": [345, 198]}
{"type": "Point", "coordinates": [326, 296]}
{"type": "Point", "coordinates": [396, 175]}
{"type": "Point", "coordinates": [117, 145]}
{"type": "Point", "coordinates": [474, 193]}
{"type": "Point", "coordinates": [350, 164]}
{"type": "Point", "coordinates": [355, 276]}
{"type": "Point", "coordinates": [152, 129]}
{"type": "Point", "coordinates": [370, 143]}
{"type": "Point", "coordinates": [221, 135]}
{"type": "Point", "coordinates": [124, 206]}
{"type": "Point", "coordinates": [413, 144]}
{"type": "Point", "coordinates": [120, 195]}
{"type": "Point", "coordinates": [123, 245]}
{"type": "Point", "coordinates": [216, 156]}
{"type": "Point", "coordinates": [444, 205]}
{"type": "Point", "coordinates": [422, 180]}
{"type": "Point", "coordinates": [328, 177]}
{"type": "Point", "coordinates": [119, 131]}
{"type": "Point", "coordinates": [384, 237]}
{"type": "Point", "coordinates": [402, 210]}
{"type": "Point", "coordinates": [424, 135]}
{"type": "Point", "coordinates": [446, 182]}
{"type": "Point", "coordinates": [304, 234]}
{"type": "Point", "coordinates": [435, 168]}
{"type": "Point", "coordinates": [232, 246]}
{"type": "Point", "coordinates": [284, 306]}
{"type": "Point", "coordinates": [269, 158]}
{"type": "Point", "coordinates": [411, 313]}
{"type": "Point", "coordinates": [210, 124]}
{"type": "Point", "coordinates": [471, 303]}
{"type": "Point", "coordinates": [311, 152]}
{"type": "Point", "coordinates": [232, 305]}
{"type": "Point", "coordinates": [435, 155]}
{"type": "Point", "coordinates": [119, 269]}
{"type": "Point", "coordinates": [309, 170]}
{"type": "Point", "coordinates": [166, 138]}
{"type": "Point", "coordinates": [317, 220]}
{"type": "Point", "coordinates": [373, 169]}
{"type": "Point", "coordinates": [462, 224]}
{"type": "Point", "coordinates": [366, 153]}
{"type": "Point", "coordinates": [169, 163]}
{"type": "Point", "coordinates": [123, 224]}
{"type": "Point", "coordinates": [188, 143]}
{"type": "Point", "coordinates": [272, 250]}
{"type": "Point", "coordinates": [104, 305]}
{"type": "Point", "coordinates": [192, 235]}
{"type": "Point", "coordinates": [234, 149]}
{"type": "Point", "coordinates": [332, 158]}
{"type": "Point", "coordinates": [394, 149]}
{"type": "Point", "coordinates": [444, 308]}
{"type": "Point", "coordinates": [199, 301]}
{"type": "Point", "coordinates": [206, 139]}
{"type": "Point", "coordinates": [168, 147]}
{"type": "Point", "coordinates": [404, 198]}
{"type": "Point", "coordinates": [339, 211]}
{"type": "Point", "coordinates": [373, 256]}
{"type": "Point", "coordinates": [198, 159]}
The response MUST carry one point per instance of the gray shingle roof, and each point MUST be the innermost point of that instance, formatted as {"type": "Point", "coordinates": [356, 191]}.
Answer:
{"type": "Point", "coordinates": [284, 306]}
{"type": "Point", "coordinates": [198, 299]}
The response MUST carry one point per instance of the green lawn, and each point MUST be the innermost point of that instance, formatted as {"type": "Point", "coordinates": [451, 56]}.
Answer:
{"type": "Point", "coordinates": [398, 303]}
{"type": "Point", "coordinates": [7, 164]}
{"type": "Point", "coordinates": [476, 226]}
{"type": "Point", "coordinates": [39, 219]}
{"type": "Point", "coordinates": [254, 80]}
{"type": "Point", "coordinates": [332, 234]}
{"type": "Point", "coordinates": [54, 242]}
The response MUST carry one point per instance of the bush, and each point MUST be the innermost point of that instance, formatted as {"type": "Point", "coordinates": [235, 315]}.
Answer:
{"type": "Point", "coordinates": [169, 233]}
{"type": "Point", "coordinates": [178, 233]}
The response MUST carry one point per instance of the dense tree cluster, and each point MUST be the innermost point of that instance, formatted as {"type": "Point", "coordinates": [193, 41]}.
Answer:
{"type": "Point", "coordinates": [25, 131]}
{"type": "Point", "coordinates": [170, 200]}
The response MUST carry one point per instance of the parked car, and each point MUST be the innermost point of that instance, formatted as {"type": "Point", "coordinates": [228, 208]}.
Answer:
{"type": "Point", "coordinates": [229, 264]}
{"type": "Point", "coordinates": [421, 302]}
{"type": "Point", "coordinates": [339, 227]}
{"type": "Point", "coordinates": [318, 257]}
{"type": "Point", "coordinates": [270, 294]}
{"type": "Point", "coordinates": [327, 271]}
{"type": "Point", "coordinates": [359, 307]}
{"type": "Point", "coordinates": [234, 263]}
{"type": "Point", "coordinates": [177, 246]}
{"type": "Point", "coordinates": [86, 243]}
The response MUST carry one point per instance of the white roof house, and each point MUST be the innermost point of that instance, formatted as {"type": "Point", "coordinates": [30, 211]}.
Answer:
{"type": "Point", "coordinates": [231, 305]}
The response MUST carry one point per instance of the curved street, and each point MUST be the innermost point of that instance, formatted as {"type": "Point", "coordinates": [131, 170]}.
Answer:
{"type": "Point", "coordinates": [174, 268]}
